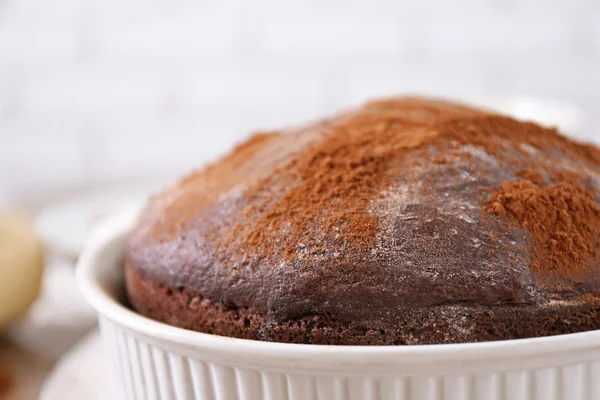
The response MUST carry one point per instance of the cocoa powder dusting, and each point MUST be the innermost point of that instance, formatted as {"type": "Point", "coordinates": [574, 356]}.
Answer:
{"type": "Point", "coordinates": [332, 180]}
{"type": "Point", "coordinates": [337, 179]}
{"type": "Point", "coordinates": [531, 175]}
{"type": "Point", "coordinates": [563, 218]}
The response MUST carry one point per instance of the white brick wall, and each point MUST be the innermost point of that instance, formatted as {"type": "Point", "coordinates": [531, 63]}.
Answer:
{"type": "Point", "coordinates": [96, 90]}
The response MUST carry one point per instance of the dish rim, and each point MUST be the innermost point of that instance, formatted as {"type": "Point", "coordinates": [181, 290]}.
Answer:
{"type": "Point", "coordinates": [108, 240]}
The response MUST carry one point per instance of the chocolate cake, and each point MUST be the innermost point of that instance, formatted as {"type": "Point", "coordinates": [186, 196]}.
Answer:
{"type": "Point", "coordinates": [405, 221]}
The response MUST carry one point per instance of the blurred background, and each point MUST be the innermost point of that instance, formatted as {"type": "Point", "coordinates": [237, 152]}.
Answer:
{"type": "Point", "coordinates": [96, 91]}
{"type": "Point", "coordinates": [103, 101]}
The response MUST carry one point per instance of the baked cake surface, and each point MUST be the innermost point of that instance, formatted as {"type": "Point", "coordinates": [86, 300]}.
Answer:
{"type": "Point", "coordinates": [405, 221]}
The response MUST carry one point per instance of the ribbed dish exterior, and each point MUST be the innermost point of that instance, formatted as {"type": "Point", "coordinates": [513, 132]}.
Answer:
{"type": "Point", "coordinates": [153, 361]}
{"type": "Point", "coordinates": [149, 370]}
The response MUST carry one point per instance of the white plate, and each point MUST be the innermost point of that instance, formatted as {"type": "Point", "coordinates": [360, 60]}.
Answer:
{"type": "Point", "coordinates": [80, 374]}
{"type": "Point", "coordinates": [65, 225]}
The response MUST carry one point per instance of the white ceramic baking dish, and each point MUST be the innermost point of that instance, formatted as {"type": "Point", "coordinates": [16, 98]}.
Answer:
{"type": "Point", "coordinates": [151, 360]}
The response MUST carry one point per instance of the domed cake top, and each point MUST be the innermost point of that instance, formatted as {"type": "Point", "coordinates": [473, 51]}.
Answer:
{"type": "Point", "coordinates": [400, 204]}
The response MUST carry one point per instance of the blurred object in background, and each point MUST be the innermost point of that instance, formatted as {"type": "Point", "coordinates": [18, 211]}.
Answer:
{"type": "Point", "coordinates": [5, 383]}
{"type": "Point", "coordinates": [21, 265]}
{"type": "Point", "coordinates": [58, 319]}
{"type": "Point", "coordinates": [21, 372]}
{"type": "Point", "coordinates": [60, 316]}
